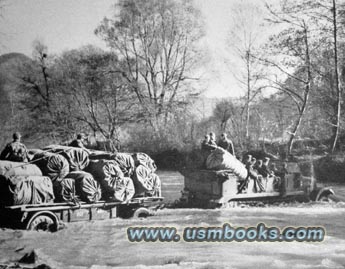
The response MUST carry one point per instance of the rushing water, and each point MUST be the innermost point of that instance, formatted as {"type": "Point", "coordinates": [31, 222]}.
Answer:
{"type": "Point", "coordinates": [104, 244]}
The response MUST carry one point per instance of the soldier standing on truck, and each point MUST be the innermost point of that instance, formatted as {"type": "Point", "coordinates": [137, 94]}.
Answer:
{"type": "Point", "coordinates": [206, 148]}
{"type": "Point", "coordinates": [15, 151]}
{"type": "Point", "coordinates": [79, 143]}
{"type": "Point", "coordinates": [226, 144]}
{"type": "Point", "coordinates": [207, 145]}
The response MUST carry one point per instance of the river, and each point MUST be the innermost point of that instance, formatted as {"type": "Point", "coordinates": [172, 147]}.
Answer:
{"type": "Point", "coordinates": [104, 244]}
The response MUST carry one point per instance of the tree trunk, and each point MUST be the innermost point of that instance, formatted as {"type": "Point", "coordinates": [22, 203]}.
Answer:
{"type": "Point", "coordinates": [248, 96]}
{"type": "Point", "coordinates": [306, 91]}
{"type": "Point", "coordinates": [295, 129]}
{"type": "Point", "coordinates": [337, 80]}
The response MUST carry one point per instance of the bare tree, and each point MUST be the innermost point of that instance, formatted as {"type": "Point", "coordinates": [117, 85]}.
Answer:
{"type": "Point", "coordinates": [34, 75]}
{"type": "Point", "coordinates": [94, 98]}
{"type": "Point", "coordinates": [244, 40]}
{"type": "Point", "coordinates": [155, 39]}
{"type": "Point", "coordinates": [331, 33]}
{"type": "Point", "coordinates": [292, 49]}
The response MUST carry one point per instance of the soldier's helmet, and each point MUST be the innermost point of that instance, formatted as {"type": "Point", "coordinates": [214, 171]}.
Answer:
{"type": "Point", "coordinates": [16, 136]}
{"type": "Point", "coordinates": [266, 160]}
{"type": "Point", "coordinates": [247, 159]}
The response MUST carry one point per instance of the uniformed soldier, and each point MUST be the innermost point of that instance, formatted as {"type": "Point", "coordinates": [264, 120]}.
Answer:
{"type": "Point", "coordinates": [206, 148]}
{"type": "Point", "coordinates": [204, 143]}
{"type": "Point", "coordinates": [213, 140]}
{"type": "Point", "coordinates": [247, 160]}
{"type": "Point", "coordinates": [253, 173]}
{"type": "Point", "coordinates": [258, 165]}
{"type": "Point", "coordinates": [265, 171]}
{"type": "Point", "coordinates": [226, 143]}
{"type": "Point", "coordinates": [79, 143]}
{"type": "Point", "coordinates": [15, 151]}
{"type": "Point", "coordinates": [252, 162]}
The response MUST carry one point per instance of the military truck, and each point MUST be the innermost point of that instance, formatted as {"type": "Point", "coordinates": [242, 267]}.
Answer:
{"type": "Point", "coordinates": [211, 188]}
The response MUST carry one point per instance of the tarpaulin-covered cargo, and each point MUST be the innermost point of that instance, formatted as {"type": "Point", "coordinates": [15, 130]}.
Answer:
{"type": "Point", "coordinates": [123, 189]}
{"type": "Point", "coordinates": [103, 169]}
{"type": "Point", "coordinates": [86, 187]}
{"type": "Point", "coordinates": [32, 152]}
{"type": "Point", "coordinates": [9, 169]}
{"type": "Point", "coordinates": [157, 185]}
{"type": "Point", "coordinates": [20, 190]}
{"type": "Point", "coordinates": [144, 159]}
{"type": "Point", "coordinates": [77, 158]}
{"type": "Point", "coordinates": [106, 172]}
{"type": "Point", "coordinates": [143, 180]}
{"type": "Point", "coordinates": [52, 165]}
{"type": "Point", "coordinates": [220, 159]}
{"type": "Point", "coordinates": [64, 190]}
{"type": "Point", "coordinates": [125, 162]}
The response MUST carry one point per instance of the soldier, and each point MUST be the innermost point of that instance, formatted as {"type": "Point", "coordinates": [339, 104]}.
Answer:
{"type": "Point", "coordinates": [265, 171]}
{"type": "Point", "coordinates": [15, 151]}
{"type": "Point", "coordinates": [226, 144]}
{"type": "Point", "coordinates": [253, 173]}
{"type": "Point", "coordinates": [213, 140]}
{"type": "Point", "coordinates": [252, 162]}
{"type": "Point", "coordinates": [258, 166]}
{"type": "Point", "coordinates": [79, 143]}
{"type": "Point", "coordinates": [206, 148]}
{"type": "Point", "coordinates": [207, 145]}
{"type": "Point", "coordinates": [247, 160]}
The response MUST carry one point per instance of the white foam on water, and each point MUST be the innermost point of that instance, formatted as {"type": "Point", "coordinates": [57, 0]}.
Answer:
{"type": "Point", "coordinates": [327, 263]}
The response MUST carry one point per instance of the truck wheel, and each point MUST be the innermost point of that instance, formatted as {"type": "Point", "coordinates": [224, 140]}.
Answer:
{"type": "Point", "coordinates": [42, 222]}
{"type": "Point", "coordinates": [141, 212]}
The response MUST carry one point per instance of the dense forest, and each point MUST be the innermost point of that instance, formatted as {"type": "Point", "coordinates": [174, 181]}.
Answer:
{"type": "Point", "coordinates": [143, 93]}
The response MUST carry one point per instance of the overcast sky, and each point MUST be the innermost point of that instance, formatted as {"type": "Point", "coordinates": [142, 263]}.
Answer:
{"type": "Point", "coordinates": [69, 24]}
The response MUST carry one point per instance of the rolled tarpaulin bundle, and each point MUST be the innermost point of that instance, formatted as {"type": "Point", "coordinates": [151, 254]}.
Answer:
{"type": "Point", "coordinates": [143, 180]}
{"type": "Point", "coordinates": [102, 169]}
{"type": "Point", "coordinates": [124, 189]}
{"type": "Point", "coordinates": [77, 158]}
{"type": "Point", "coordinates": [55, 166]}
{"type": "Point", "coordinates": [141, 158]}
{"type": "Point", "coordinates": [86, 187]}
{"type": "Point", "coordinates": [64, 190]}
{"type": "Point", "coordinates": [125, 162]}
{"type": "Point", "coordinates": [21, 190]}
{"type": "Point", "coordinates": [106, 172]}
{"type": "Point", "coordinates": [220, 159]}
{"type": "Point", "coordinates": [9, 169]}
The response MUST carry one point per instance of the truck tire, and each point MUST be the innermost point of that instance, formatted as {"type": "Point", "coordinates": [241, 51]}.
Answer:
{"type": "Point", "coordinates": [141, 212]}
{"type": "Point", "coordinates": [43, 221]}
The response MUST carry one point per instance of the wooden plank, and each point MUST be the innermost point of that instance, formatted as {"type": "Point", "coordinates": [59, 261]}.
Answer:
{"type": "Point", "coordinates": [64, 206]}
{"type": "Point", "coordinates": [256, 195]}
